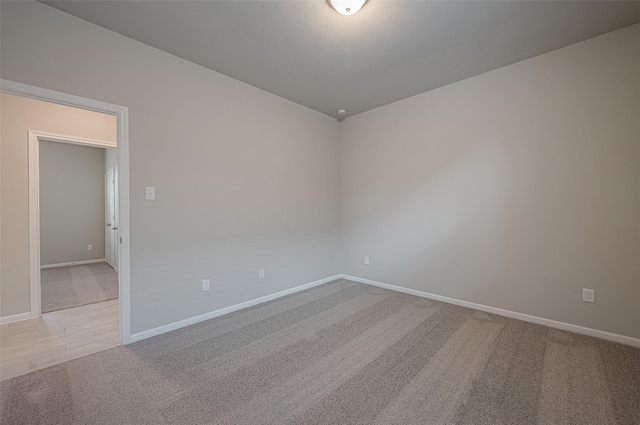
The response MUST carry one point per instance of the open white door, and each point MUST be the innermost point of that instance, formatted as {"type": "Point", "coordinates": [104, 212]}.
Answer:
{"type": "Point", "coordinates": [111, 224]}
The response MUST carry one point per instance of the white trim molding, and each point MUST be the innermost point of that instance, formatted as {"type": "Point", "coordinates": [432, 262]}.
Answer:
{"type": "Point", "coordinates": [34, 92]}
{"type": "Point", "coordinates": [73, 263]}
{"type": "Point", "coordinates": [226, 310]}
{"type": "Point", "coordinates": [622, 339]}
{"type": "Point", "coordinates": [122, 115]}
{"type": "Point", "coordinates": [53, 137]}
{"type": "Point", "coordinates": [15, 318]}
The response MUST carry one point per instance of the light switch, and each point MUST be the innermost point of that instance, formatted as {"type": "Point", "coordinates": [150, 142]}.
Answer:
{"type": "Point", "coordinates": [150, 193]}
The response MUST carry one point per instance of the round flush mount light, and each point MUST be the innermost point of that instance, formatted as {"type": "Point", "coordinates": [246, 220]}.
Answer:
{"type": "Point", "coordinates": [347, 7]}
{"type": "Point", "coordinates": [341, 112]}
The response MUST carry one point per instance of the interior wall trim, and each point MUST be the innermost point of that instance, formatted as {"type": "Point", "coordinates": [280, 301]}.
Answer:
{"type": "Point", "coordinates": [15, 318]}
{"type": "Point", "coordinates": [73, 263]}
{"type": "Point", "coordinates": [226, 310]}
{"type": "Point", "coordinates": [622, 339]}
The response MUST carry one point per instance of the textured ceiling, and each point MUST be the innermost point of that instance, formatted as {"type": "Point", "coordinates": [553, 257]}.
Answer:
{"type": "Point", "coordinates": [306, 52]}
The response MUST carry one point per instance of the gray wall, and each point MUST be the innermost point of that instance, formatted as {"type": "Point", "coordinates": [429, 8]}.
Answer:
{"type": "Point", "coordinates": [515, 189]}
{"type": "Point", "coordinates": [19, 115]}
{"type": "Point", "coordinates": [244, 179]}
{"type": "Point", "coordinates": [72, 211]}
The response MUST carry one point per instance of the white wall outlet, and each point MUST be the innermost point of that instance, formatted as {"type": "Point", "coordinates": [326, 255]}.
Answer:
{"type": "Point", "coordinates": [261, 273]}
{"type": "Point", "coordinates": [205, 285]}
{"type": "Point", "coordinates": [89, 247]}
{"type": "Point", "coordinates": [588, 295]}
{"type": "Point", "coordinates": [150, 193]}
{"type": "Point", "coordinates": [366, 260]}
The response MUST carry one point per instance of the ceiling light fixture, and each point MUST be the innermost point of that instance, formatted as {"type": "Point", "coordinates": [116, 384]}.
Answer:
{"type": "Point", "coordinates": [347, 7]}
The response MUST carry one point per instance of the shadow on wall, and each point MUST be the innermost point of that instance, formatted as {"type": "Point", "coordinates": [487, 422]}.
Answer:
{"type": "Point", "coordinates": [437, 229]}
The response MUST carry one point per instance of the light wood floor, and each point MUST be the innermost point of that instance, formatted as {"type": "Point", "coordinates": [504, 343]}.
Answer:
{"type": "Point", "coordinates": [57, 337]}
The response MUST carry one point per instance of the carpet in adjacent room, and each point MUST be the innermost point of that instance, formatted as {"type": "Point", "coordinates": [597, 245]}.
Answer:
{"type": "Point", "coordinates": [74, 286]}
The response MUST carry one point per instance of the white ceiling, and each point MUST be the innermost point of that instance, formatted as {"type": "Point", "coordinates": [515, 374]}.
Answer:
{"type": "Point", "coordinates": [306, 52]}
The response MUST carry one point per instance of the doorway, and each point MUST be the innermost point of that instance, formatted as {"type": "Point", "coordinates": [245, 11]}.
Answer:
{"type": "Point", "coordinates": [47, 327]}
{"type": "Point", "coordinates": [122, 160]}
{"type": "Point", "coordinates": [33, 338]}
{"type": "Point", "coordinates": [77, 255]}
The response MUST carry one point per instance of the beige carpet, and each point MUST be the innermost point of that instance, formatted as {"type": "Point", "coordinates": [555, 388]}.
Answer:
{"type": "Point", "coordinates": [341, 353]}
{"type": "Point", "coordinates": [73, 286]}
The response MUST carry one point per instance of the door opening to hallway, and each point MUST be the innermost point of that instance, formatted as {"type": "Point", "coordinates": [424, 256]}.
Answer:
{"type": "Point", "coordinates": [72, 235]}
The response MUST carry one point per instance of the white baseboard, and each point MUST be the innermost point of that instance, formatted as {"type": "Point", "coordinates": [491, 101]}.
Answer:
{"type": "Point", "coordinates": [206, 316]}
{"type": "Point", "coordinates": [73, 263]}
{"type": "Point", "coordinates": [634, 342]}
{"type": "Point", "coordinates": [15, 318]}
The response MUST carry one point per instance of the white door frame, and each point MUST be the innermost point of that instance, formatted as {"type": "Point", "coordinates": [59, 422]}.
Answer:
{"type": "Point", "coordinates": [122, 114]}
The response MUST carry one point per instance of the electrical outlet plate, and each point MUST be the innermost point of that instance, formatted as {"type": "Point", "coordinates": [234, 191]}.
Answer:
{"type": "Point", "coordinates": [89, 247]}
{"type": "Point", "coordinates": [150, 193]}
{"type": "Point", "coordinates": [366, 260]}
{"type": "Point", "coordinates": [205, 285]}
{"type": "Point", "coordinates": [588, 295]}
{"type": "Point", "coordinates": [261, 273]}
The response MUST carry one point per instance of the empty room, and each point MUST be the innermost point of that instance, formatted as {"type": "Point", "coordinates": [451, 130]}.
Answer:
{"type": "Point", "coordinates": [320, 212]}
